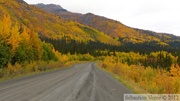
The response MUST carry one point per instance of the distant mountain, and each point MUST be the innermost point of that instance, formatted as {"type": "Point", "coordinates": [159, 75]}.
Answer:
{"type": "Point", "coordinates": [131, 39]}
{"type": "Point", "coordinates": [116, 29]}
{"type": "Point", "coordinates": [58, 10]}
{"type": "Point", "coordinates": [51, 7]}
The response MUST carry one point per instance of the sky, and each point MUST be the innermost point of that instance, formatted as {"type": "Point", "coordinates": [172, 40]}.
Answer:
{"type": "Point", "coordinates": [155, 15]}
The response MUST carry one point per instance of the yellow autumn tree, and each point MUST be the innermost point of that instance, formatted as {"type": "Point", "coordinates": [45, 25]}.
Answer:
{"type": "Point", "coordinates": [35, 43]}
{"type": "Point", "coordinates": [14, 38]}
{"type": "Point", "coordinates": [5, 27]}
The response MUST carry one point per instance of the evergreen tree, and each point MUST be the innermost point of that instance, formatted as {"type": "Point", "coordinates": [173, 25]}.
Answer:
{"type": "Point", "coordinates": [5, 54]}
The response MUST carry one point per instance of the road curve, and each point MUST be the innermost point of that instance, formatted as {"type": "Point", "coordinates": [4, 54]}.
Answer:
{"type": "Point", "coordinates": [81, 82]}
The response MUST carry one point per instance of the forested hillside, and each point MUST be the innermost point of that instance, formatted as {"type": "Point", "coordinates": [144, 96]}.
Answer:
{"type": "Point", "coordinates": [24, 29]}
{"type": "Point", "coordinates": [131, 39]}
{"type": "Point", "coordinates": [19, 44]}
{"type": "Point", "coordinates": [50, 26]}
{"type": "Point", "coordinates": [71, 37]}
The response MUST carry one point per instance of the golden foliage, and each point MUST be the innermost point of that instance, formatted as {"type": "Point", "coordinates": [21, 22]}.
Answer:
{"type": "Point", "coordinates": [47, 24]}
{"type": "Point", "coordinates": [14, 38]}
{"type": "Point", "coordinates": [152, 80]}
{"type": "Point", "coordinates": [5, 27]}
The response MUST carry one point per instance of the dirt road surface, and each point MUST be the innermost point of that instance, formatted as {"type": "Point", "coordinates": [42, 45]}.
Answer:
{"type": "Point", "coordinates": [81, 82]}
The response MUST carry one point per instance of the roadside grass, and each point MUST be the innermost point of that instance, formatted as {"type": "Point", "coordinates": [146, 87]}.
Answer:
{"type": "Point", "coordinates": [49, 67]}
{"type": "Point", "coordinates": [131, 85]}
{"type": "Point", "coordinates": [19, 70]}
{"type": "Point", "coordinates": [145, 80]}
{"type": "Point", "coordinates": [135, 88]}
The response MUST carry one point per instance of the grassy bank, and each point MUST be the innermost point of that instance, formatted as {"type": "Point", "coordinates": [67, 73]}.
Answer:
{"type": "Point", "coordinates": [129, 84]}
{"type": "Point", "coordinates": [19, 71]}
{"type": "Point", "coordinates": [142, 79]}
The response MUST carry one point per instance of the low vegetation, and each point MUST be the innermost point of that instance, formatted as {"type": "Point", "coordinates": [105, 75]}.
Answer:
{"type": "Point", "coordinates": [152, 78]}
{"type": "Point", "coordinates": [21, 69]}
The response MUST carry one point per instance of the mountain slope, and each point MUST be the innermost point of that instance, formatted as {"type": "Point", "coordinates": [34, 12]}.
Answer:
{"type": "Point", "coordinates": [49, 25]}
{"type": "Point", "coordinates": [51, 7]}
{"type": "Point", "coordinates": [69, 36]}
{"type": "Point", "coordinates": [58, 10]}
{"type": "Point", "coordinates": [116, 29]}
{"type": "Point", "coordinates": [18, 43]}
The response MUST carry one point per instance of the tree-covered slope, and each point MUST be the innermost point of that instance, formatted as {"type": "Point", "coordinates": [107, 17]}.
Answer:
{"type": "Point", "coordinates": [131, 39]}
{"type": "Point", "coordinates": [48, 25]}
{"type": "Point", "coordinates": [113, 28]}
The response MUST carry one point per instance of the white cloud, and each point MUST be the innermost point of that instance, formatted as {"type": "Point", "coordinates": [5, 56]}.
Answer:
{"type": "Point", "coordinates": [156, 15]}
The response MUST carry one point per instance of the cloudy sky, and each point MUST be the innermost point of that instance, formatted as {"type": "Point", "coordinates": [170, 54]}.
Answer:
{"type": "Point", "coordinates": [155, 15]}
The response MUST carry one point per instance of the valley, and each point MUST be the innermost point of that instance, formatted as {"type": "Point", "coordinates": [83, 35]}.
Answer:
{"type": "Point", "coordinates": [42, 37]}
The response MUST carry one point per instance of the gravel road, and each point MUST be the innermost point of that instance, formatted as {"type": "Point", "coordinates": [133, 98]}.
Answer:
{"type": "Point", "coordinates": [81, 82]}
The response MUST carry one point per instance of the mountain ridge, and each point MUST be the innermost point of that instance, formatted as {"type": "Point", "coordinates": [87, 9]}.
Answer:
{"type": "Point", "coordinates": [50, 7]}
{"type": "Point", "coordinates": [131, 39]}
{"type": "Point", "coordinates": [115, 28]}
